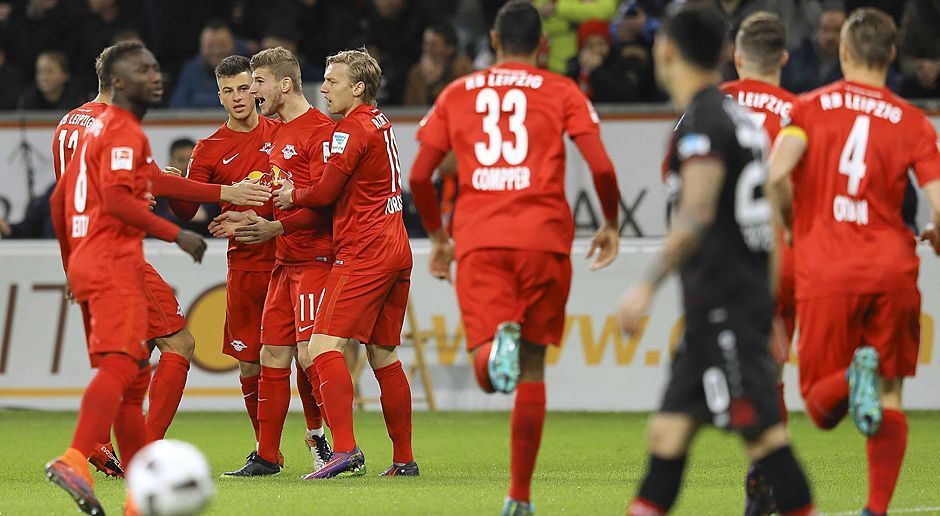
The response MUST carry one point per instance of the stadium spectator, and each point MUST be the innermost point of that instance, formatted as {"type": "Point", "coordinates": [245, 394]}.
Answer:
{"type": "Point", "coordinates": [10, 82]}
{"type": "Point", "coordinates": [36, 222]}
{"type": "Point", "coordinates": [394, 28]}
{"type": "Point", "coordinates": [38, 25]}
{"type": "Point", "coordinates": [561, 19]}
{"type": "Point", "coordinates": [282, 34]}
{"type": "Point", "coordinates": [196, 87]}
{"type": "Point", "coordinates": [180, 152]}
{"type": "Point", "coordinates": [816, 61]}
{"type": "Point", "coordinates": [920, 49]}
{"type": "Point", "coordinates": [53, 89]}
{"type": "Point", "coordinates": [440, 64]}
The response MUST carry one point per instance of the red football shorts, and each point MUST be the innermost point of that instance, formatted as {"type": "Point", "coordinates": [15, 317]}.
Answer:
{"type": "Point", "coordinates": [291, 304]}
{"type": "Point", "coordinates": [785, 309]}
{"type": "Point", "coordinates": [832, 327]}
{"type": "Point", "coordinates": [367, 307]}
{"type": "Point", "coordinates": [528, 287]}
{"type": "Point", "coordinates": [245, 292]}
{"type": "Point", "coordinates": [164, 316]}
{"type": "Point", "coordinates": [113, 300]}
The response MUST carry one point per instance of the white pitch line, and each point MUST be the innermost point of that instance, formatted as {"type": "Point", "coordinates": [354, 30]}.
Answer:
{"type": "Point", "coordinates": [893, 511]}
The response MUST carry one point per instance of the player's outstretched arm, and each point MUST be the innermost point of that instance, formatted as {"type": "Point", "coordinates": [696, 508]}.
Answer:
{"type": "Point", "coordinates": [787, 152]}
{"type": "Point", "coordinates": [606, 241]}
{"type": "Point", "coordinates": [185, 211]}
{"type": "Point", "coordinates": [702, 180]}
{"type": "Point", "coordinates": [245, 193]}
{"type": "Point", "coordinates": [323, 193]}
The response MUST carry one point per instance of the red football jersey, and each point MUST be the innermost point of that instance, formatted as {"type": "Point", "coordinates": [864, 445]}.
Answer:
{"type": "Point", "coordinates": [769, 104]}
{"type": "Point", "coordinates": [848, 233]}
{"type": "Point", "coordinates": [69, 134]}
{"type": "Point", "coordinates": [228, 157]}
{"type": "Point", "coordinates": [505, 125]}
{"type": "Point", "coordinates": [368, 230]}
{"type": "Point", "coordinates": [115, 152]}
{"type": "Point", "coordinates": [298, 153]}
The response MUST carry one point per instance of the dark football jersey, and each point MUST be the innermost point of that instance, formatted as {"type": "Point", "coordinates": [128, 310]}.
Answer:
{"type": "Point", "coordinates": [729, 268]}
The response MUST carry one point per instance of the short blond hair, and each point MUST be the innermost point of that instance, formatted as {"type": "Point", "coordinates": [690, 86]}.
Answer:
{"type": "Point", "coordinates": [362, 68]}
{"type": "Point", "coordinates": [281, 62]}
{"type": "Point", "coordinates": [870, 36]}
{"type": "Point", "coordinates": [762, 40]}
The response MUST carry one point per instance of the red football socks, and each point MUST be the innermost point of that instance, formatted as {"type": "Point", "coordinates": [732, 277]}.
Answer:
{"type": "Point", "coordinates": [102, 399]}
{"type": "Point", "coordinates": [337, 390]}
{"type": "Point", "coordinates": [642, 507]}
{"type": "Point", "coordinates": [273, 402]}
{"type": "Point", "coordinates": [250, 395]}
{"type": "Point", "coordinates": [129, 426]}
{"type": "Point", "coordinates": [314, 379]}
{"type": "Point", "coordinates": [885, 455]}
{"type": "Point", "coordinates": [396, 408]}
{"type": "Point", "coordinates": [480, 366]}
{"type": "Point", "coordinates": [308, 400]}
{"type": "Point", "coordinates": [528, 416]}
{"type": "Point", "coordinates": [166, 391]}
{"type": "Point", "coordinates": [828, 400]}
{"type": "Point", "coordinates": [782, 401]}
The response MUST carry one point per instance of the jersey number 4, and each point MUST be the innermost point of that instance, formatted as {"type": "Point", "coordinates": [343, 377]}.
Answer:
{"type": "Point", "coordinates": [852, 159]}
{"type": "Point", "coordinates": [491, 107]}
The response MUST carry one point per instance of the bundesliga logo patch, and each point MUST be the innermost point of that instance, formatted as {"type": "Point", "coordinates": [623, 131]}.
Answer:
{"type": "Point", "coordinates": [122, 158]}
{"type": "Point", "coordinates": [289, 151]}
{"type": "Point", "coordinates": [339, 143]}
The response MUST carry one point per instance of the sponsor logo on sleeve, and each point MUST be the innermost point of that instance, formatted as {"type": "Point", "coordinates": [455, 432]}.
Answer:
{"type": "Point", "coordinates": [122, 158]}
{"type": "Point", "coordinates": [339, 143]}
{"type": "Point", "coordinates": [694, 144]}
{"type": "Point", "coordinates": [326, 151]}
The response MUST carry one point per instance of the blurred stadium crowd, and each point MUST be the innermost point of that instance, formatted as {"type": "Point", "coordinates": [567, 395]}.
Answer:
{"type": "Point", "coordinates": [48, 47]}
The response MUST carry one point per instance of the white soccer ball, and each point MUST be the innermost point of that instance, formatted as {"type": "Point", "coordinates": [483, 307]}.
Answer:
{"type": "Point", "coordinates": [170, 477]}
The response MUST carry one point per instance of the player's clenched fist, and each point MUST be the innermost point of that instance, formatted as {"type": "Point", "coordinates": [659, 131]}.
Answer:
{"type": "Point", "coordinates": [246, 193]}
{"type": "Point", "coordinates": [192, 243]}
{"type": "Point", "coordinates": [634, 306]}
{"type": "Point", "coordinates": [442, 256]}
{"type": "Point", "coordinates": [931, 234]}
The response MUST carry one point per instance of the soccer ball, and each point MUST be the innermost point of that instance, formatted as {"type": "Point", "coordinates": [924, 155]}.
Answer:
{"type": "Point", "coordinates": [170, 477]}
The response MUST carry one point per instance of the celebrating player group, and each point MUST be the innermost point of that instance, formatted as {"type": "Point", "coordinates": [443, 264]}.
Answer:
{"type": "Point", "coordinates": [319, 261]}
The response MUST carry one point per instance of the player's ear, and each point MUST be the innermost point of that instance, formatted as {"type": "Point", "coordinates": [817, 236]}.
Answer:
{"type": "Point", "coordinates": [286, 85]}
{"type": "Point", "coordinates": [359, 89]}
{"type": "Point", "coordinates": [893, 54]}
{"type": "Point", "coordinates": [738, 60]}
{"type": "Point", "coordinates": [494, 41]}
{"type": "Point", "coordinates": [784, 58]}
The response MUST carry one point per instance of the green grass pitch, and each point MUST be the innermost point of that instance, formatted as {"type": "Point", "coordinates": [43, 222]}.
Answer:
{"type": "Point", "coordinates": [590, 464]}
